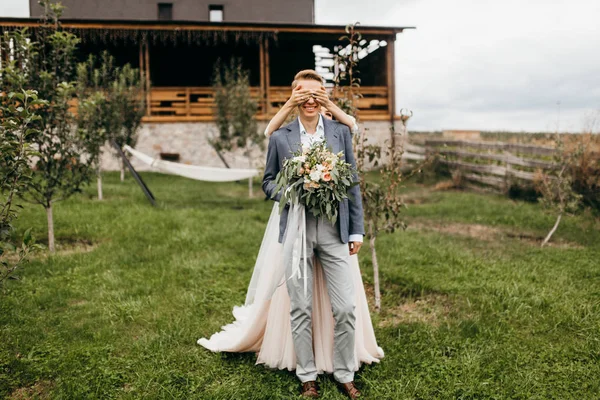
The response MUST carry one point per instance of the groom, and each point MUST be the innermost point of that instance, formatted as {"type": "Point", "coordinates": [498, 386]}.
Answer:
{"type": "Point", "coordinates": [331, 243]}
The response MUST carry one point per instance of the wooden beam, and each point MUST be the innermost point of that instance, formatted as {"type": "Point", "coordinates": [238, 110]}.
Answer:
{"type": "Point", "coordinates": [514, 147]}
{"type": "Point", "coordinates": [199, 27]}
{"type": "Point", "coordinates": [147, 62]}
{"type": "Point", "coordinates": [267, 78]}
{"type": "Point", "coordinates": [211, 118]}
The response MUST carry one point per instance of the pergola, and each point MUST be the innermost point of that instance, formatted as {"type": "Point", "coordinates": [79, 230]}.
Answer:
{"type": "Point", "coordinates": [177, 58]}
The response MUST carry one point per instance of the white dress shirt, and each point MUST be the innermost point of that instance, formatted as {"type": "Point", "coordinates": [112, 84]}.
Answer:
{"type": "Point", "coordinates": [307, 139]}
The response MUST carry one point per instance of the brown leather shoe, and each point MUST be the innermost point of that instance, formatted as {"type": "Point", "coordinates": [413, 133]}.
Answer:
{"type": "Point", "coordinates": [309, 389]}
{"type": "Point", "coordinates": [351, 390]}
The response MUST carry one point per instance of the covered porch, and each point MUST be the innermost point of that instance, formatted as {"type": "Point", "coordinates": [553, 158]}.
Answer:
{"type": "Point", "coordinates": [177, 59]}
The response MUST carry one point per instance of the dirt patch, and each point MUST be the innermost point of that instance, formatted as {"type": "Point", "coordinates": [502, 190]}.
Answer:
{"type": "Point", "coordinates": [40, 390]}
{"type": "Point", "coordinates": [77, 302]}
{"type": "Point", "coordinates": [67, 246]}
{"type": "Point", "coordinates": [445, 185]}
{"type": "Point", "coordinates": [537, 241]}
{"type": "Point", "coordinates": [488, 233]}
{"type": "Point", "coordinates": [431, 309]}
{"type": "Point", "coordinates": [416, 200]}
{"type": "Point", "coordinates": [477, 231]}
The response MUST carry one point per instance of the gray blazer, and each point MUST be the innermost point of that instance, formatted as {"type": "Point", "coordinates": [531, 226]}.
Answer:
{"type": "Point", "coordinates": [286, 141]}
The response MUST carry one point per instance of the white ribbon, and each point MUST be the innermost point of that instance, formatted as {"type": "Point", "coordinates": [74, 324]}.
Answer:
{"type": "Point", "coordinates": [294, 243]}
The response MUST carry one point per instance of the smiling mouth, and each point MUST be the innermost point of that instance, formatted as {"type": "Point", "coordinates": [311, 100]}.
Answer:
{"type": "Point", "coordinates": [310, 108]}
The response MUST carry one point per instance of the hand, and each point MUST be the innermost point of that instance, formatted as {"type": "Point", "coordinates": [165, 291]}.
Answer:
{"type": "Point", "coordinates": [299, 96]}
{"type": "Point", "coordinates": [322, 97]}
{"type": "Point", "coordinates": [354, 247]}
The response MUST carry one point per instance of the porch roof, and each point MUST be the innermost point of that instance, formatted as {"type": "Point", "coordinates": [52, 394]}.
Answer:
{"type": "Point", "coordinates": [191, 31]}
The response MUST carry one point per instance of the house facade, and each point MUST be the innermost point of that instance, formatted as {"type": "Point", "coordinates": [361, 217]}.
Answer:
{"type": "Point", "coordinates": [278, 11]}
{"type": "Point", "coordinates": [176, 58]}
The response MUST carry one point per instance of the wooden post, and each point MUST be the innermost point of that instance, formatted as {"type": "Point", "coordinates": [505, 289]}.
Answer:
{"type": "Point", "coordinates": [391, 81]}
{"type": "Point", "coordinates": [148, 95]}
{"type": "Point", "coordinates": [508, 168]}
{"type": "Point", "coordinates": [187, 101]}
{"type": "Point", "coordinates": [142, 80]}
{"type": "Point", "coordinates": [141, 62]}
{"type": "Point", "coordinates": [267, 77]}
{"type": "Point", "coordinates": [262, 102]}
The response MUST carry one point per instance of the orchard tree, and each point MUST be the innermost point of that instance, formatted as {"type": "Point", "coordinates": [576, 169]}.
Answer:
{"type": "Point", "coordinates": [381, 199]}
{"type": "Point", "coordinates": [62, 163]}
{"type": "Point", "coordinates": [556, 186]}
{"type": "Point", "coordinates": [18, 118]}
{"type": "Point", "coordinates": [235, 112]}
{"type": "Point", "coordinates": [110, 106]}
{"type": "Point", "coordinates": [127, 96]}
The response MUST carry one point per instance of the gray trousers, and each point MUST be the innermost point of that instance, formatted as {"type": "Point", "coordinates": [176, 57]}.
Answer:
{"type": "Point", "coordinates": [323, 240]}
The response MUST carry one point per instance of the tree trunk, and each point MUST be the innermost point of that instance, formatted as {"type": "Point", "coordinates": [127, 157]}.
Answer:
{"type": "Point", "coordinates": [250, 180]}
{"type": "Point", "coordinates": [375, 268]}
{"type": "Point", "coordinates": [122, 171]}
{"type": "Point", "coordinates": [552, 230]}
{"type": "Point", "coordinates": [99, 173]}
{"type": "Point", "coordinates": [51, 246]}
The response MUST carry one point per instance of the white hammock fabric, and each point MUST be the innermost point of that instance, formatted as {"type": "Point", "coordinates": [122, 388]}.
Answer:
{"type": "Point", "coordinates": [209, 174]}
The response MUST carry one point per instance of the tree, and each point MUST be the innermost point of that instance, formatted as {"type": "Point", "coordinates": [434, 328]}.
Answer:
{"type": "Point", "coordinates": [109, 106]}
{"type": "Point", "coordinates": [63, 162]}
{"type": "Point", "coordinates": [128, 99]}
{"type": "Point", "coordinates": [235, 112]}
{"type": "Point", "coordinates": [585, 161]}
{"type": "Point", "coordinates": [18, 116]}
{"type": "Point", "coordinates": [556, 186]}
{"type": "Point", "coordinates": [381, 199]}
{"type": "Point", "coordinates": [94, 118]}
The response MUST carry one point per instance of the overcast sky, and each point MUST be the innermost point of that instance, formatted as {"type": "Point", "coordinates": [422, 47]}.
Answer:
{"type": "Point", "coordinates": [481, 64]}
{"type": "Point", "coordinates": [488, 64]}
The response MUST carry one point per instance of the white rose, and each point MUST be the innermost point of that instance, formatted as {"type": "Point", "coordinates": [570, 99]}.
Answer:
{"type": "Point", "coordinates": [315, 175]}
{"type": "Point", "coordinates": [320, 167]}
{"type": "Point", "coordinates": [300, 159]}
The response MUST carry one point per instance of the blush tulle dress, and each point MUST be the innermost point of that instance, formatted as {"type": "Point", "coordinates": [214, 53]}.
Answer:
{"type": "Point", "coordinates": [262, 324]}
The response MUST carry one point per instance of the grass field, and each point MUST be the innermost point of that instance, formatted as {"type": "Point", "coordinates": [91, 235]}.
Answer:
{"type": "Point", "coordinates": [472, 307]}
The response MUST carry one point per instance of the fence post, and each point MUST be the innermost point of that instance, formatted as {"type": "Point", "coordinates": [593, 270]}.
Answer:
{"type": "Point", "coordinates": [507, 168]}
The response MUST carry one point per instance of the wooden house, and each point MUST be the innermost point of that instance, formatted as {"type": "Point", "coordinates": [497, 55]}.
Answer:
{"type": "Point", "coordinates": [176, 51]}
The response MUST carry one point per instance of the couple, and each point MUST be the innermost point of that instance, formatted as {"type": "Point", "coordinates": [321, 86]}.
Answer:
{"type": "Point", "coordinates": [329, 328]}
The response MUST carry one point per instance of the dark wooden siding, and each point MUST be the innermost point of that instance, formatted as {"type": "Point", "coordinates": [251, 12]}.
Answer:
{"type": "Point", "coordinates": [286, 11]}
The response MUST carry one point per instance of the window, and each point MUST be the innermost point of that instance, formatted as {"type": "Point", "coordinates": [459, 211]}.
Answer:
{"type": "Point", "coordinates": [215, 13]}
{"type": "Point", "coordinates": [165, 11]}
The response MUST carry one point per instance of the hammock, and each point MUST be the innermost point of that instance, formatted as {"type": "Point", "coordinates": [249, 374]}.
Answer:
{"type": "Point", "coordinates": [198, 173]}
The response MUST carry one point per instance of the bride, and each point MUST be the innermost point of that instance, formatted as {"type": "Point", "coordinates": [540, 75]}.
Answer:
{"type": "Point", "coordinates": [262, 324]}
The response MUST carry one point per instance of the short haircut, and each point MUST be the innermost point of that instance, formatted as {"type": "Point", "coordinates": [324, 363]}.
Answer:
{"type": "Point", "coordinates": [307, 74]}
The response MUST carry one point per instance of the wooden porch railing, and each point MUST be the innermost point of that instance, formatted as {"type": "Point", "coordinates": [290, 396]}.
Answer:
{"type": "Point", "coordinates": [172, 104]}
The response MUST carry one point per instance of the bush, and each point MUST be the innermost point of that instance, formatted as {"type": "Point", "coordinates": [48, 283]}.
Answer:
{"type": "Point", "coordinates": [585, 169]}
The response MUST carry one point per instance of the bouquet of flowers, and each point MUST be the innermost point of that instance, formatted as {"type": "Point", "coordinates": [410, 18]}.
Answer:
{"type": "Point", "coordinates": [316, 178]}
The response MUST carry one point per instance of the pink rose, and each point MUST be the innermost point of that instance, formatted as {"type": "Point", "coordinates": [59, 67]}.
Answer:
{"type": "Point", "coordinates": [326, 176]}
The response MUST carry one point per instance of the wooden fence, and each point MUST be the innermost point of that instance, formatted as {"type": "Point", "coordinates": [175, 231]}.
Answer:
{"type": "Point", "coordinates": [495, 165]}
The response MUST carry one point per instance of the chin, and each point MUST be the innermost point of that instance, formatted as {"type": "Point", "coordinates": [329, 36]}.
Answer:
{"type": "Point", "coordinates": [312, 113]}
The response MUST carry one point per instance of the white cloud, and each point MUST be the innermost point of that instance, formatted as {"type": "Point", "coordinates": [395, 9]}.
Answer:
{"type": "Point", "coordinates": [487, 64]}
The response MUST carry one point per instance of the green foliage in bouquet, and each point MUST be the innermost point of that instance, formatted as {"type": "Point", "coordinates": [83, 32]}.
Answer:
{"type": "Point", "coordinates": [316, 178]}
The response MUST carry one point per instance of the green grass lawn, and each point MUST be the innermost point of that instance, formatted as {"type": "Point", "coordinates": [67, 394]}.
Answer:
{"type": "Point", "coordinates": [472, 307]}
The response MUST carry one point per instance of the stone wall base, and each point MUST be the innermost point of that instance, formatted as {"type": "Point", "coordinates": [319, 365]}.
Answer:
{"type": "Point", "coordinates": [191, 142]}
